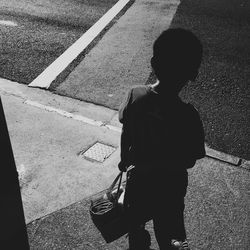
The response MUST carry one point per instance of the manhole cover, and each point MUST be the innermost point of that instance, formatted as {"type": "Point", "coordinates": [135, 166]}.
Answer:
{"type": "Point", "coordinates": [98, 152]}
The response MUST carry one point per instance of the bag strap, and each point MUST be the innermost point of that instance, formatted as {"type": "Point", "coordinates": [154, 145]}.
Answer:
{"type": "Point", "coordinates": [119, 186]}
{"type": "Point", "coordinates": [118, 178]}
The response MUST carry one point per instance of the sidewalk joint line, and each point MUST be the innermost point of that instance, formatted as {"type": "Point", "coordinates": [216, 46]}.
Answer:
{"type": "Point", "coordinates": [100, 124]}
{"type": "Point", "coordinates": [80, 118]}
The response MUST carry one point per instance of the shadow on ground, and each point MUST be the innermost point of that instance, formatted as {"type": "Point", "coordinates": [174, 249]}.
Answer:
{"type": "Point", "coordinates": [221, 92]}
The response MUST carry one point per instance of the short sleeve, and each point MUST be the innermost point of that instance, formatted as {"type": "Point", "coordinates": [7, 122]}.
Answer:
{"type": "Point", "coordinates": [124, 108]}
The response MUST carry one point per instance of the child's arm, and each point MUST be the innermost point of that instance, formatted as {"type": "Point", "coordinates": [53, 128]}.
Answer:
{"type": "Point", "coordinates": [125, 149]}
{"type": "Point", "coordinates": [125, 135]}
{"type": "Point", "coordinates": [197, 136]}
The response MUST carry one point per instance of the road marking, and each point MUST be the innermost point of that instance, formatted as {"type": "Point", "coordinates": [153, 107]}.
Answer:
{"type": "Point", "coordinates": [7, 23]}
{"type": "Point", "coordinates": [50, 73]}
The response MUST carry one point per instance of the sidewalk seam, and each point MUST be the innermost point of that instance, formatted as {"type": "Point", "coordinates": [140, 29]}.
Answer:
{"type": "Point", "coordinates": [211, 153]}
{"type": "Point", "coordinates": [73, 116]}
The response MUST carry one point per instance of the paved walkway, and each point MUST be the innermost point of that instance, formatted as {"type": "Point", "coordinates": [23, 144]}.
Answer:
{"type": "Point", "coordinates": [56, 182]}
{"type": "Point", "coordinates": [49, 131]}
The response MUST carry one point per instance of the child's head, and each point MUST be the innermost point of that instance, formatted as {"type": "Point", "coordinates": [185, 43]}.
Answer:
{"type": "Point", "coordinates": [177, 55]}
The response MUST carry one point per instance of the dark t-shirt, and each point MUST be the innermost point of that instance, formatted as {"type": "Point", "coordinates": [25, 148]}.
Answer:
{"type": "Point", "coordinates": [159, 129]}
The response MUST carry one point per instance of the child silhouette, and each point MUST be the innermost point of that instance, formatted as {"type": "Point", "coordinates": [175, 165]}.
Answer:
{"type": "Point", "coordinates": [162, 137]}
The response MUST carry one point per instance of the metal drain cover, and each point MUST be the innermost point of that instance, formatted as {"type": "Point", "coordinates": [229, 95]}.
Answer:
{"type": "Point", "coordinates": [98, 152]}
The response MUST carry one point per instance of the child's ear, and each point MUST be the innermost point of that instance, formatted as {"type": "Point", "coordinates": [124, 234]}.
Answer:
{"type": "Point", "coordinates": [152, 61]}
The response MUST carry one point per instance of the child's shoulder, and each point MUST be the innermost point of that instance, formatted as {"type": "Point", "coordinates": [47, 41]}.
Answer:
{"type": "Point", "coordinates": [191, 112]}
{"type": "Point", "coordinates": [139, 91]}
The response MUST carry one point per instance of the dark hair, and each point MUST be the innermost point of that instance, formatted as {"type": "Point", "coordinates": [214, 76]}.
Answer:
{"type": "Point", "coordinates": [177, 51]}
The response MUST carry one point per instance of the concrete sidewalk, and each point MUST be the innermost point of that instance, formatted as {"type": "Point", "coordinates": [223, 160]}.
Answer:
{"type": "Point", "coordinates": [56, 183]}
{"type": "Point", "coordinates": [48, 133]}
{"type": "Point", "coordinates": [47, 143]}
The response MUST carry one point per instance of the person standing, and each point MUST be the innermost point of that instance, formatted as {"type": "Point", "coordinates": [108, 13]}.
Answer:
{"type": "Point", "coordinates": [162, 137]}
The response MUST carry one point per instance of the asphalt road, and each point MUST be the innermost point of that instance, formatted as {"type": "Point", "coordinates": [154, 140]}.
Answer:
{"type": "Point", "coordinates": [34, 33]}
{"type": "Point", "coordinates": [222, 90]}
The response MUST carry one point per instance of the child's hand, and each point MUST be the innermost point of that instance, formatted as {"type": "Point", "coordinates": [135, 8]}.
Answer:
{"type": "Point", "coordinates": [122, 166]}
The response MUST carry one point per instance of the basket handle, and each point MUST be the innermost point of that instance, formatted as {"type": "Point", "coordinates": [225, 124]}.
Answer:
{"type": "Point", "coordinates": [118, 178]}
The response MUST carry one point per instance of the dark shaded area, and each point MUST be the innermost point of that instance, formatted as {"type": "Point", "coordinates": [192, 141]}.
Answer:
{"type": "Point", "coordinates": [221, 93]}
{"type": "Point", "coordinates": [13, 234]}
{"type": "Point", "coordinates": [69, 228]}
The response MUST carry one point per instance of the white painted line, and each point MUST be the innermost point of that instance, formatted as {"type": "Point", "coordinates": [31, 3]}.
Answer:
{"type": "Point", "coordinates": [49, 74]}
{"type": "Point", "coordinates": [7, 23]}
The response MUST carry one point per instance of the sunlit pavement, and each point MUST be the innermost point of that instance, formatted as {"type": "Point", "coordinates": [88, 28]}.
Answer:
{"type": "Point", "coordinates": [56, 180]}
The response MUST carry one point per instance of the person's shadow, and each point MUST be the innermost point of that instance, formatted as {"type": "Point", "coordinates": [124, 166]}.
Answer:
{"type": "Point", "coordinates": [222, 88]}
